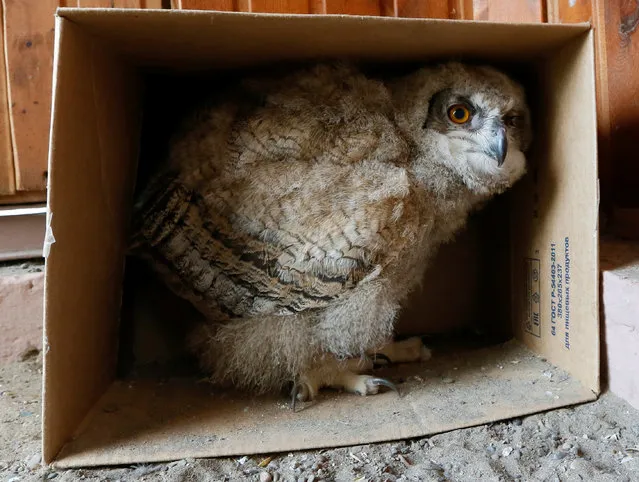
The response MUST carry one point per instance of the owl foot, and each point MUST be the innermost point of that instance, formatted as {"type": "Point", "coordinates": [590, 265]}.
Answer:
{"type": "Point", "coordinates": [346, 375]}
{"type": "Point", "coordinates": [359, 384]}
{"type": "Point", "coordinates": [339, 375]}
{"type": "Point", "coordinates": [404, 351]}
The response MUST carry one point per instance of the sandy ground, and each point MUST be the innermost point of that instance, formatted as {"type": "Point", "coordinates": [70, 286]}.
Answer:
{"type": "Point", "coordinates": [593, 442]}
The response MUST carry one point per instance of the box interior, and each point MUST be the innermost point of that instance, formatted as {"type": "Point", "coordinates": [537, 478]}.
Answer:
{"type": "Point", "coordinates": [119, 78]}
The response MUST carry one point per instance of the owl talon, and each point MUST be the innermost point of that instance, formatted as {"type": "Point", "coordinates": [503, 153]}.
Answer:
{"type": "Point", "coordinates": [301, 392]}
{"type": "Point", "coordinates": [384, 383]}
{"type": "Point", "coordinates": [294, 393]}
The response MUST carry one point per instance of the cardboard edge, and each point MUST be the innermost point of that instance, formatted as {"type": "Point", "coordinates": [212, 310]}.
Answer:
{"type": "Point", "coordinates": [76, 13]}
{"type": "Point", "coordinates": [49, 452]}
{"type": "Point", "coordinates": [596, 388]}
{"type": "Point", "coordinates": [595, 383]}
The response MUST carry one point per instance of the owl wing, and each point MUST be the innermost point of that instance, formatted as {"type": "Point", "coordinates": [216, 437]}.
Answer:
{"type": "Point", "coordinates": [307, 200]}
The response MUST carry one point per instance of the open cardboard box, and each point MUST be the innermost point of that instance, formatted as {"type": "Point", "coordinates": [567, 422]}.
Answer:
{"type": "Point", "coordinates": [537, 280]}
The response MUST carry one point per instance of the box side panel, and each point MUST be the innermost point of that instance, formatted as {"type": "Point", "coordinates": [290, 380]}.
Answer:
{"type": "Point", "coordinates": [228, 39]}
{"type": "Point", "coordinates": [461, 293]}
{"type": "Point", "coordinates": [454, 272]}
{"type": "Point", "coordinates": [555, 221]}
{"type": "Point", "coordinates": [94, 142]}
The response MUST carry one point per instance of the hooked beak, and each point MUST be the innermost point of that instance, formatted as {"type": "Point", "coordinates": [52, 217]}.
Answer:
{"type": "Point", "coordinates": [498, 147]}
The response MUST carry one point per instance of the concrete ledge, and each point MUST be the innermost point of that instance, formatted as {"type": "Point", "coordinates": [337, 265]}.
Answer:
{"type": "Point", "coordinates": [21, 300]}
{"type": "Point", "coordinates": [620, 308]}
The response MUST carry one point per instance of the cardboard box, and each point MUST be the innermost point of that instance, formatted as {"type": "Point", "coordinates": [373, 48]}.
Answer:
{"type": "Point", "coordinates": [537, 280]}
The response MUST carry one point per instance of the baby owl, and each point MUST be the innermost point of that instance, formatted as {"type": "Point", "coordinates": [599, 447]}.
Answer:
{"type": "Point", "coordinates": [296, 213]}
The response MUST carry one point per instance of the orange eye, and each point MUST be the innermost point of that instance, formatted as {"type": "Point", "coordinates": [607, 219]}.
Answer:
{"type": "Point", "coordinates": [459, 114]}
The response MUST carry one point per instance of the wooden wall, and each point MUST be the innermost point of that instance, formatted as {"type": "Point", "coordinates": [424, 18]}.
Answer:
{"type": "Point", "coordinates": [616, 25]}
{"type": "Point", "coordinates": [28, 37]}
{"type": "Point", "coordinates": [26, 60]}
{"type": "Point", "coordinates": [497, 10]}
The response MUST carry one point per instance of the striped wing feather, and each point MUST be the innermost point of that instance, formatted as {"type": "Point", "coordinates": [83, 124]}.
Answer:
{"type": "Point", "coordinates": [281, 206]}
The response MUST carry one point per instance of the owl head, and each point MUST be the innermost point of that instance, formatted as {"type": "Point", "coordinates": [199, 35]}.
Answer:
{"type": "Point", "coordinates": [473, 120]}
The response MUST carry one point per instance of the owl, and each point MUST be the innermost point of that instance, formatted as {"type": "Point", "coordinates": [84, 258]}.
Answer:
{"type": "Point", "coordinates": [298, 211]}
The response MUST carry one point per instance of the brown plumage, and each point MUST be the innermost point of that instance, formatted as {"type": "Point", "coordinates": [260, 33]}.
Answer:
{"type": "Point", "coordinates": [297, 213]}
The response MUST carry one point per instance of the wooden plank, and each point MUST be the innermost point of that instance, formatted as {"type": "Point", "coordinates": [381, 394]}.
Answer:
{"type": "Point", "coordinates": [280, 6]}
{"type": "Point", "coordinates": [622, 55]}
{"type": "Point", "coordinates": [119, 3]}
{"type": "Point", "coordinates": [404, 8]}
{"type": "Point", "coordinates": [617, 52]}
{"type": "Point", "coordinates": [604, 129]}
{"type": "Point", "coordinates": [572, 11]}
{"type": "Point", "coordinates": [354, 7]}
{"type": "Point", "coordinates": [388, 8]}
{"type": "Point", "coordinates": [616, 25]}
{"type": "Point", "coordinates": [626, 223]}
{"type": "Point", "coordinates": [257, 6]}
{"type": "Point", "coordinates": [510, 10]}
{"type": "Point", "coordinates": [94, 3]}
{"type": "Point", "coordinates": [317, 6]}
{"type": "Point", "coordinates": [7, 172]}
{"type": "Point", "coordinates": [423, 8]}
{"type": "Point", "coordinates": [221, 5]}
{"type": "Point", "coordinates": [461, 9]}
{"type": "Point", "coordinates": [127, 4]}
{"type": "Point", "coordinates": [29, 33]}
{"type": "Point", "coordinates": [569, 11]}
{"type": "Point", "coordinates": [24, 198]}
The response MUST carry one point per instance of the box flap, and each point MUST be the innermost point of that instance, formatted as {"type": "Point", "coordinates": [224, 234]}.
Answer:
{"type": "Point", "coordinates": [228, 39]}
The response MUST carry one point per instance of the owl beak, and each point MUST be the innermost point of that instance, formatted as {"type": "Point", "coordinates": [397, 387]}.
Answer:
{"type": "Point", "coordinates": [499, 145]}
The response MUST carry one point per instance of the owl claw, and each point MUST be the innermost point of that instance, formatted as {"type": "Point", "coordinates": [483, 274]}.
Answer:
{"type": "Point", "coordinates": [299, 392]}
{"type": "Point", "coordinates": [384, 383]}
{"type": "Point", "coordinates": [294, 393]}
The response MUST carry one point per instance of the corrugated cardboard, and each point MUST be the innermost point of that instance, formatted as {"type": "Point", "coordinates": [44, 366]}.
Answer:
{"type": "Point", "coordinates": [547, 225]}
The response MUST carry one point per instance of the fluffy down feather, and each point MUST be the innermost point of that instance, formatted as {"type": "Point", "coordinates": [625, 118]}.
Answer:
{"type": "Point", "coordinates": [298, 213]}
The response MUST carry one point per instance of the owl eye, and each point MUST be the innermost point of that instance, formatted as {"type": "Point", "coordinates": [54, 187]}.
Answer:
{"type": "Point", "coordinates": [459, 114]}
{"type": "Point", "coordinates": [512, 120]}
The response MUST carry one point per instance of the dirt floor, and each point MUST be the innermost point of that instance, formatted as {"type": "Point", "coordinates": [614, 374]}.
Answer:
{"type": "Point", "coordinates": [593, 442]}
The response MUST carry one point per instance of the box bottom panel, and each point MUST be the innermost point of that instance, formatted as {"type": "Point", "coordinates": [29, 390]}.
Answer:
{"type": "Point", "coordinates": [155, 421]}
